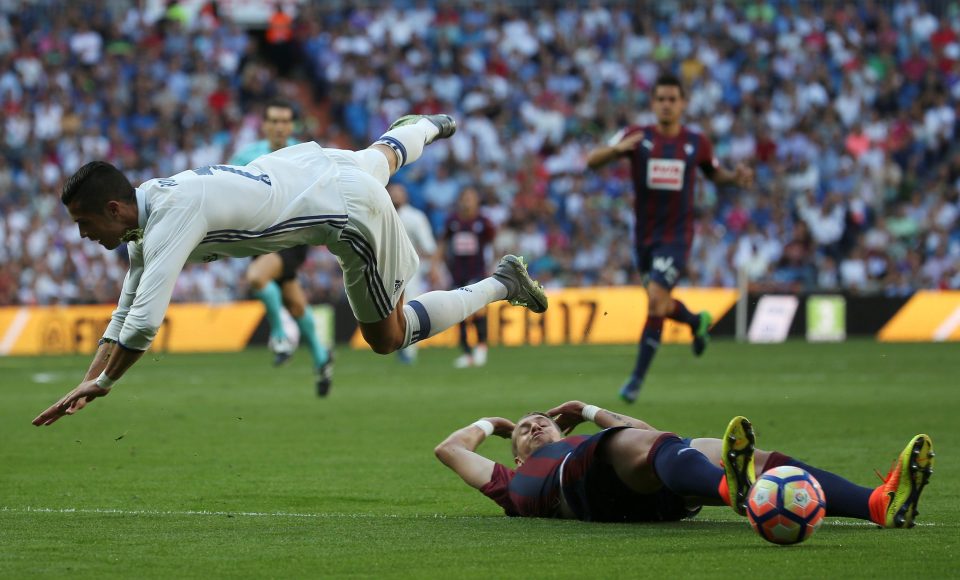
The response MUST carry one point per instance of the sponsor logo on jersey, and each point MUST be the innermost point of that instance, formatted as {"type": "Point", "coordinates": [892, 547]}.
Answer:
{"type": "Point", "coordinates": [665, 174]}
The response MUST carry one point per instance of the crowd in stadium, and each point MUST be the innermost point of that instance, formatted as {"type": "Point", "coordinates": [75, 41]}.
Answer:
{"type": "Point", "coordinates": [846, 111]}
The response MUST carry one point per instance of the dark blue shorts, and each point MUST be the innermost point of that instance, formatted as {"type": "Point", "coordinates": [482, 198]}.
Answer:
{"type": "Point", "coordinates": [595, 493]}
{"type": "Point", "coordinates": [665, 264]}
{"type": "Point", "coordinates": [292, 259]}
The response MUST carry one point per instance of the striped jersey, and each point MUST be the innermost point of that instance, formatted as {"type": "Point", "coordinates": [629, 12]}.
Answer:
{"type": "Point", "coordinates": [533, 489]}
{"type": "Point", "coordinates": [664, 173]}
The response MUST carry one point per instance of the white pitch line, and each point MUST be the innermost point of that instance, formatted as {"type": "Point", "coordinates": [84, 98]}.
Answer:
{"type": "Point", "coordinates": [346, 516]}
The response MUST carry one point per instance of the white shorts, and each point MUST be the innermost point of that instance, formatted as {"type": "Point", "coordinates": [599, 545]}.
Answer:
{"type": "Point", "coordinates": [377, 257]}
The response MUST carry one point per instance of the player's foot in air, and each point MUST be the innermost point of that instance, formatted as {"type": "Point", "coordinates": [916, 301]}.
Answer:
{"type": "Point", "coordinates": [282, 350]}
{"type": "Point", "coordinates": [445, 123]}
{"type": "Point", "coordinates": [894, 503]}
{"type": "Point", "coordinates": [522, 290]}
{"type": "Point", "coordinates": [630, 390]}
{"type": "Point", "coordinates": [325, 376]}
{"type": "Point", "coordinates": [739, 443]}
{"type": "Point", "coordinates": [701, 333]}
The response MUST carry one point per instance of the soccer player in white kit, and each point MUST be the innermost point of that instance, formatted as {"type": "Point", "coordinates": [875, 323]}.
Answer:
{"type": "Point", "coordinates": [303, 194]}
{"type": "Point", "coordinates": [417, 225]}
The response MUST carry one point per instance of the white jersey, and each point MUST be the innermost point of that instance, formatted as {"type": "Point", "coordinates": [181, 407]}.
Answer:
{"type": "Point", "coordinates": [418, 229]}
{"type": "Point", "coordinates": [417, 226]}
{"type": "Point", "coordinates": [290, 197]}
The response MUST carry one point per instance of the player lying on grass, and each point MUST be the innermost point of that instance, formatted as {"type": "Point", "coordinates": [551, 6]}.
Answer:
{"type": "Point", "coordinates": [632, 472]}
{"type": "Point", "coordinates": [304, 194]}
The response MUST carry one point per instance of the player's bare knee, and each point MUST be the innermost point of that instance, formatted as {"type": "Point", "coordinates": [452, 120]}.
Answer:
{"type": "Point", "coordinates": [631, 447]}
{"type": "Point", "coordinates": [383, 345]}
{"type": "Point", "coordinates": [296, 310]}
{"type": "Point", "coordinates": [659, 306]}
{"type": "Point", "coordinates": [254, 281]}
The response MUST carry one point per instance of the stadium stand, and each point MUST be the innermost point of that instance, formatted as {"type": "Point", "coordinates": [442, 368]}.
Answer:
{"type": "Point", "coordinates": [847, 110]}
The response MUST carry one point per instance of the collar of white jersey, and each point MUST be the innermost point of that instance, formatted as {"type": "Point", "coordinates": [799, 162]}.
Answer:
{"type": "Point", "coordinates": [141, 208]}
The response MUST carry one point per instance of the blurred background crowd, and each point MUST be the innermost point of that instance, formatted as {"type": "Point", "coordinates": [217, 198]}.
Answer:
{"type": "Point", "coordinates": [847, 111]}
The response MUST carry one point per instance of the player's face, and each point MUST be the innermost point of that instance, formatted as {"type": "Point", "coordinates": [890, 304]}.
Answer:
{"type": "Point", "coordinates": [398, 194]}
{"type": "Point", "coordinates": [469, 203]}
{"type": "Point", "coordinates": [533, 432]}
{"type": "Point", "coordinates": [668, 104]}
{"type": "Point", "coordinates": [278, 126]}
{"type": "Point", "coordinates": [106, 228]}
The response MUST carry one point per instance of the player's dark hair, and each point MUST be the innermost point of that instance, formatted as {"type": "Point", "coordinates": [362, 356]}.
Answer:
{"type": "Point", "coordinates": [279, 104]}
{"type": "Point", "coordinates": [513, 440]}
{"type": "Point", "coordinates": [669, 80]}
{"type": "Point", "coordinates": [94, 184]}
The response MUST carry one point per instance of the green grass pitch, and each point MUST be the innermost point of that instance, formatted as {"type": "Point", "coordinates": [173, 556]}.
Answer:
{"type": "Point", "coordinates": [218, 465]}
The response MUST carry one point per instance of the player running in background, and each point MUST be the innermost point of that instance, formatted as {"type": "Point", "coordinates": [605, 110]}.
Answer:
{"type": "Point", "coordinates": [303, 194]}
{"type": "Point", "coordinates": [632, 472]}
{"type": "Point", "coordinates": [467, 239]}
{"type": "Point", "coordinates": [664, 159]}
{"type": "Point", "coordinates": [417, 225]}
{"type": "Point", "coordinates": [273, 277]}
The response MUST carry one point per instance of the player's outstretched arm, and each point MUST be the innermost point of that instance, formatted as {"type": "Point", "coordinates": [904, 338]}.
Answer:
{"type": "Point", "coordinates": [604, 154]}
{"type": "Point", "coordinates": [115, 360]}
{"type": "Point", "coordinates": [572, 413]}
{"type": "Point", "coordinates": [741, 176]}
{"type": "Point", "coordinates": [458, 450]}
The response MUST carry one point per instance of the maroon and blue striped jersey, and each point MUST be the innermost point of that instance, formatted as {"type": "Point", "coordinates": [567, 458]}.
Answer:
{"type": "Point", "coordinates": [533, 489]}
{"type": "Point", "coordinates": [664, 172]}
{"type": "Point", "coordinates": [467, 242]}
{"type": "Point", "coordinates": [591, 487]}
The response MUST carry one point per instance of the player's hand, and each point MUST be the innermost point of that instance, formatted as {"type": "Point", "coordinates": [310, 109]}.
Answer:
{"type": "Point", "coordinates": [501, 427]}
{"type": "Point", "coordinates": [568, 415]}
{"type": "Point", "coordinates": [743, 176]}
{"type": "Point", "coordinates": [72, 402]}
{"type": "Point", "coordinates": [629, 143]}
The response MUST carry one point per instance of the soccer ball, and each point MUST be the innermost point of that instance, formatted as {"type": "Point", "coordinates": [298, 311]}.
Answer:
{"type": "Point", "coordinates": [786, 505]}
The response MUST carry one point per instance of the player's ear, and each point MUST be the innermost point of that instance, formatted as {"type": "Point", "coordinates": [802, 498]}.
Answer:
{"type": "Point", "coordinates": [113, 208]}
{"type": "Point", "coordinates": [518, 461]}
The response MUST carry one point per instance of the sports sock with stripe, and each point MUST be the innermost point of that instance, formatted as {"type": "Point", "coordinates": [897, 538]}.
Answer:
{"type": "Point", "coordinates": [408, 141]}
{"type": "Point", "coordinates": [436, 311]}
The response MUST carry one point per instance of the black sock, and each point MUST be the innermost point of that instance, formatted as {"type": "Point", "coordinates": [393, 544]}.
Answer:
{"type": "Point", "coordinates": [681, 314]}
{"type": "Point", "coordinates": [649, 343]}
{"type": "Point", "coordinates": [463, 339]}
{"type": "Point", "coordinates": [480, 323]}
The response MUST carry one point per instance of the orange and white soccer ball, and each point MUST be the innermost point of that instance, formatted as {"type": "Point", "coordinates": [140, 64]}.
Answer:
{"type": "Point", "coordinates": [786, 505]}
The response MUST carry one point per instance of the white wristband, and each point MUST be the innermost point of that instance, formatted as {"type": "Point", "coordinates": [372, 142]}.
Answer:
{"type": "Point", "coordinates": [485, 426]}
{"type": "Point", "coordinates": [105, 382]}
{"type": "Point", "coordinates": [589, 412]}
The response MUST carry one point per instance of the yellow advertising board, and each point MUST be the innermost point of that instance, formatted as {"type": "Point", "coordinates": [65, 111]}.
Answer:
{"type": "Point", "coordinates": [927, 316]}
{"type": "Point", "coordinates": [76, 329]}
{"type": "Point", "coordinates": [608, 315]}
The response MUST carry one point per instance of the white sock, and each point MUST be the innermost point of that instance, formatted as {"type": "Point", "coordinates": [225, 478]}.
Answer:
{"type": "Point", "coordinates": [436, 311]}
{"type": "Point", "coordinates": [408, 141]}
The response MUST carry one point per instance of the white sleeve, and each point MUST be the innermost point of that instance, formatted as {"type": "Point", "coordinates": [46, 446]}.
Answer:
{"type": "Point", "coordinates": [427, 243]}
{"type": "Point", "coordinates": [127, 294]}
{"type": "Point", "coordinates": [172, 234]}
